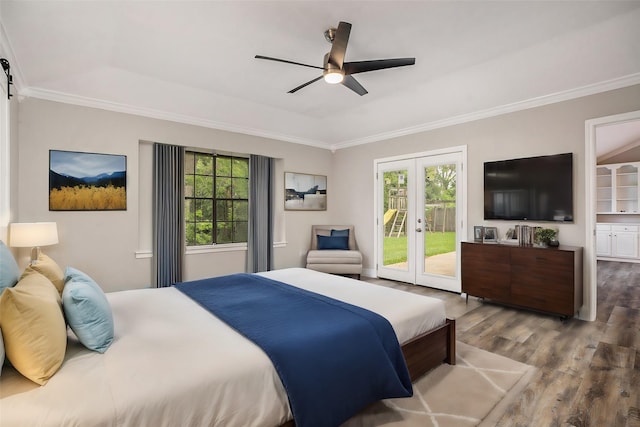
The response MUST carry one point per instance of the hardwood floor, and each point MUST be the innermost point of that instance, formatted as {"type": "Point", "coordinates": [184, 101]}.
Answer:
{"type": "Point", "coordinates": [588, 372]}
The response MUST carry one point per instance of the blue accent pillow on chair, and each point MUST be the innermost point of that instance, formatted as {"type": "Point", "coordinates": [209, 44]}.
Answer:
{"type": "Point", "coordinates": [344, 232]}
{"type": "Point", "coordinates": [87, 310]}
{"type": "Point", "coordinates": [333, 242]}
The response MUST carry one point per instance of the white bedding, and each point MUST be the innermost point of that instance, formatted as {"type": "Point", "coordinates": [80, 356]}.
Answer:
{"type": "Point", "coordinates": [409, 314]}
{"type": "Point", "coordinates": [172, 363]}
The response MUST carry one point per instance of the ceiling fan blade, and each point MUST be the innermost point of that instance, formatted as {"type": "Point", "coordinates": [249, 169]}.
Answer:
{"type": "Point", "coordinates": [353, 84]}
{"type": "Point", "coordinates": [339, 46]}
{"type": "Point", "coordinates": [304, 85]}
{"type": "Point", "coordinates": [287, 62]}
{"type": "Point", "coordinates": [377, 64]}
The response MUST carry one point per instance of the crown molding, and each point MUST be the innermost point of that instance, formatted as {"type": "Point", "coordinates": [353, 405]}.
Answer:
{"type": "Point", "coordinates": [65, 98]}
{"type": "Point", "coordinates": [592, 89]}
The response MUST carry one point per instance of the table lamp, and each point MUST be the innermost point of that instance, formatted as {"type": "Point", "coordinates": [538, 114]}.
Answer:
{"type": "Point", "coordinates": [33, 235]}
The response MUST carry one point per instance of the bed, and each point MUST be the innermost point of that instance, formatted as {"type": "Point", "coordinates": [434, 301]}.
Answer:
{"type": "Point", "coordinates": [173, 363]}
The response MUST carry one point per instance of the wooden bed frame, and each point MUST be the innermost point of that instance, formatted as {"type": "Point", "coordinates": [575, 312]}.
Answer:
{"type": "Point", "coordinates": [431, 349]}
{"type": "Point", "coordinates": [426, 352]}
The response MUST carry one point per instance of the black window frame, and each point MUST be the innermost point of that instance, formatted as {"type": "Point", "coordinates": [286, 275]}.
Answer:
{"type": "Point", "coordinates": [234, 200]}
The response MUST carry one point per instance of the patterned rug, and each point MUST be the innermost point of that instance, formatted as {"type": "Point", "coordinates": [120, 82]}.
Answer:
{"type": "Point", "coordinates": [473, 392]}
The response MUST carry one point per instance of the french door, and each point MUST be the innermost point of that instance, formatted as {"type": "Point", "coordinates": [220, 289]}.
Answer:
{"type": "Point", "coordinates": [420, 219]}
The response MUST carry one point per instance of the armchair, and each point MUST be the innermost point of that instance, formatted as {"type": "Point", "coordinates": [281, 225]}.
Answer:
{"type": "Point", "coordinates": [330, 256]}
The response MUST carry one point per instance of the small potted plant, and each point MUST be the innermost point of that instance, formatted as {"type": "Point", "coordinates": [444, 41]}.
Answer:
{"type": "Point", "coordinates": [546, 236]}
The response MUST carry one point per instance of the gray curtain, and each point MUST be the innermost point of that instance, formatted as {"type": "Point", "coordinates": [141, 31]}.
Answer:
{"type": "Point", "coordinates": [260, 238]}
{"type": "Point", "coordinates": [168, 214]}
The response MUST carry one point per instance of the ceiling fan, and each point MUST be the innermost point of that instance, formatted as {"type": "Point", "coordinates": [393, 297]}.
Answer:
{"type": "Point", "coordinates": [335, 70]}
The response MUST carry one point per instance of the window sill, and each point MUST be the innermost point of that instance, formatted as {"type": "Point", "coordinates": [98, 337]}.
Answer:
{"type": "Point", "coordinates": [141, 254]}
{"type": "Point", "coordinates": [192, 250]}
{"type": "Point", "coordinates": [229, 247]}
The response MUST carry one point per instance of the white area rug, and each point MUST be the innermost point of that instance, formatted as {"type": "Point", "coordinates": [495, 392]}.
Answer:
{"type": "Point", "coordinates": [475, 391]}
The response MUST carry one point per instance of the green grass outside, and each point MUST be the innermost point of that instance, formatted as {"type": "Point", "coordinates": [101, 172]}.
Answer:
{"type": "Point", "coordinates": [395, 248]}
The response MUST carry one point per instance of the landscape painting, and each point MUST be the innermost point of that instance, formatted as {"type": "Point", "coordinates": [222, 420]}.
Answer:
{"type": "Point", "coordinates": [87, 181]}
{"type": "Point", "coordinates": [304, 192]}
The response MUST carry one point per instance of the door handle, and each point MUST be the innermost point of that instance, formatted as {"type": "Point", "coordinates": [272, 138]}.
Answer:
{"type": "Point", "coordinates": [418, 230]}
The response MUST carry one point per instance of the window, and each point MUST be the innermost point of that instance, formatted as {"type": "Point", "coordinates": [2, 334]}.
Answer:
{"type": "Point", "coordinates": [216, 202]}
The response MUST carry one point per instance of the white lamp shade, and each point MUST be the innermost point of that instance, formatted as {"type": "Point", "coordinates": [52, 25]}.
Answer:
{"type": "Point", "coordinates": [32, 234]}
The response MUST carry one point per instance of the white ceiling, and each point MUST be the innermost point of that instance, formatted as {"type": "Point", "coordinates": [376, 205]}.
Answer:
{"type": "Point", "coordinates": [615, 139]}
{"type": "Point", "coordinates": [193, 61]}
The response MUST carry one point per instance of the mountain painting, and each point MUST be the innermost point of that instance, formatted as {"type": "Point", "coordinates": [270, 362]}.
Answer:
{"type": "Point", "coordinates": [87, 181]}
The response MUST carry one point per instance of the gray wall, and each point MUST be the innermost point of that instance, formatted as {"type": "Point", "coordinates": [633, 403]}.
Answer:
{"type": "Point", "coordinates": [104, 244]}
{"type": "Point", "coordinates": [551, 129]}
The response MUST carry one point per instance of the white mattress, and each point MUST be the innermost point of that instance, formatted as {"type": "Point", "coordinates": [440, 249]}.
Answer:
{"type": "Point", "coordinates": [172, 363]}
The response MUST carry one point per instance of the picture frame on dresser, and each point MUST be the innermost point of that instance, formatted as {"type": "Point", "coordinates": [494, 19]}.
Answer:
{"type": "Point", "coordinates": [478, 233]}
{"type": "Point", "coordinates": [490, 235]}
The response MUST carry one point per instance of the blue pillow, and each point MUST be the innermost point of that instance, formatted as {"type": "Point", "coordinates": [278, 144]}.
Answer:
{"type": "Point", "coordinates": [1, 352]}
{"type": "Point", "coordinates": [333, 242]}
{"type": "Point", "coordinates": [9, 270]}
{"type": "Point", "coordinates": [344, 232]}
{"type": "Point", "coordinates": [87, 310]}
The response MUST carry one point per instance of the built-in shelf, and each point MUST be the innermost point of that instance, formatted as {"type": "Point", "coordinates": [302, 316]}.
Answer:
{"type": "Point", "coordinates": [617, 190]}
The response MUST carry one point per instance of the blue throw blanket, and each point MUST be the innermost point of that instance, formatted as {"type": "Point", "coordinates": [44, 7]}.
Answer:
{"type": "Point", "coordinates": [333, 358]}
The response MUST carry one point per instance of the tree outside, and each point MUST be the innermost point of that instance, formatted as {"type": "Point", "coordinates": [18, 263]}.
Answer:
{"type": "Point", "coordinates": [216, 199]}
{"type": "Point", "coordinates": [440, 203]}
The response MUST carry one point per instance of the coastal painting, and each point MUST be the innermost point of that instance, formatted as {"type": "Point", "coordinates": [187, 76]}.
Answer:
{"type": "Point", "coordinates": [87, 181]}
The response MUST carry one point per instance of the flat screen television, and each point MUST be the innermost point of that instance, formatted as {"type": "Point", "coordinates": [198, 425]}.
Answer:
{"type": "Point", "coordinates": [530, 189]}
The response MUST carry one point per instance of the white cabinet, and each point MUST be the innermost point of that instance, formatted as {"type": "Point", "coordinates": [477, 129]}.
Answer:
{"type": "Point", "coordinates": [617, 189]}
{"type": "Point", "coordinates": [624, 243]}
{"type": "Point", "coordinates": [618, 241]}
{"type": "Point", "coordinates": [603, 240]}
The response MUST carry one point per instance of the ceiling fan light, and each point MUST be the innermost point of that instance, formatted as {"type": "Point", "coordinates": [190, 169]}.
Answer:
{"type": "Point", "coordinates": [333, 77]}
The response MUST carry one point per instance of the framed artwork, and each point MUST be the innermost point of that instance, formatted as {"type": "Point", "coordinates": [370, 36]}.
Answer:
{"type": "Point", "coordinates": [478, 233]}
{"type": "Point", "coordinates": [304, 192]}
{"type": "Point", "coordinates": [87, 181]}
{"type": "Point", "coordinates": [490, 235]}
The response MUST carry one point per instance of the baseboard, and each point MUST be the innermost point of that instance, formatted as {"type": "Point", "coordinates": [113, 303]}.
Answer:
{"type": "Point", "coordinates": [370, 272]}
{"type": "Point", "coordinates": [604, 258]}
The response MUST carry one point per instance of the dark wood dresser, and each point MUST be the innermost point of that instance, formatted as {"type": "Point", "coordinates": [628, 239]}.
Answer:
{"type": "Point", "coordinates": [542, 279]}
